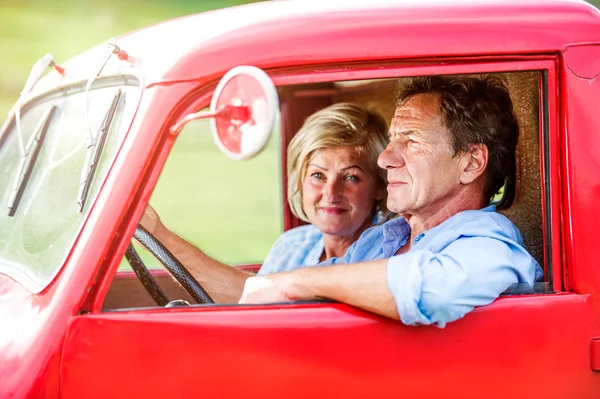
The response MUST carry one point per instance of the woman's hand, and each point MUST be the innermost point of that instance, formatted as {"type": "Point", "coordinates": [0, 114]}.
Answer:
{"type": "Point", "coordinates": [151, 222]}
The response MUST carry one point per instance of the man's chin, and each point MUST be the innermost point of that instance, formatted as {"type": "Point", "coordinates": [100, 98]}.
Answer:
{"type": "Point", "coordinates": [401, 209]}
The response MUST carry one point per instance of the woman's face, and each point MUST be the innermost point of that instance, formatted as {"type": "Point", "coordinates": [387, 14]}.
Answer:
{"type": "Point", "coordinates": [339, 191]}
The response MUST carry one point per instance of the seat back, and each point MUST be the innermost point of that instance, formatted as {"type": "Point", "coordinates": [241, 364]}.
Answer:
{"type": "Point", "coordinates": [526, 211]}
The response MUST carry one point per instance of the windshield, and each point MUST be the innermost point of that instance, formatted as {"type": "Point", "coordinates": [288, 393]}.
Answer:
{"type": "Point", "coordinates": [38, 230]}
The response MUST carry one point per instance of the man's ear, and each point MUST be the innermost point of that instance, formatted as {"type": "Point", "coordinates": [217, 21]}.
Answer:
{"type": "Point", "coordinates": [474, 161]}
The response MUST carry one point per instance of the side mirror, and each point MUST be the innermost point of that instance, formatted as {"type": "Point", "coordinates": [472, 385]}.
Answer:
{"type": "Point", "coordinates": [243, 112]}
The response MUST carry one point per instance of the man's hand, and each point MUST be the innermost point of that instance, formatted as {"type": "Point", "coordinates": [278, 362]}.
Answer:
{"type": "Point", "coordinates": [363, 285]}
{"type": "Point", "coordinates": [277, 287]}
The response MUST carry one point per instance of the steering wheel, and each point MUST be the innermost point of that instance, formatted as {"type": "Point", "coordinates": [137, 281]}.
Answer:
{"type": "Point", "coordinates": [170, 262]}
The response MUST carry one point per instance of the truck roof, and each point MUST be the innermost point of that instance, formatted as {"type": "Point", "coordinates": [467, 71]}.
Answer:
{"type": "Point", "coordinates": [280, 34]}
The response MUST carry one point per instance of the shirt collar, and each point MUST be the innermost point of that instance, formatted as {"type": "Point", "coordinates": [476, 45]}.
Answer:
{"type": "Point", "coordinates": [399, 229]}
{"type": "Point", "coordinates": [396, 228]}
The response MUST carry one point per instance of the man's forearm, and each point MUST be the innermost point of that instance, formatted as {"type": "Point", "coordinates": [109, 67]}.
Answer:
{"type": "Point", "coordinates": [363, 285]}
{"type": "Point", "coordinates": [222, 282]}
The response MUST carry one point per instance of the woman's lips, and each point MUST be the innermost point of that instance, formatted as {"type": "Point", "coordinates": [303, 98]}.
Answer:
{"type": "Point", "coordinates": [332, 210]}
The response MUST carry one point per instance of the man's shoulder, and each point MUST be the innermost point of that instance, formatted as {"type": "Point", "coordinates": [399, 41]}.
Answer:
{"type": "Point", "coordinates": [486, 221]}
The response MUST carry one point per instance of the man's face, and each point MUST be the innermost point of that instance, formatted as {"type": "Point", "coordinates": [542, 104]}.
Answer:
{"type": "Point", "coordinates": [422, 173]}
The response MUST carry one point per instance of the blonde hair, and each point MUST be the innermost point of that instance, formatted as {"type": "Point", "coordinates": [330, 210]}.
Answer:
{"type": "Point", "coordinates": [339, 125]}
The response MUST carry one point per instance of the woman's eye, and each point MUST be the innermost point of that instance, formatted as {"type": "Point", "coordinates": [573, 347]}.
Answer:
{"type": "Point", "coordinates": [352, 178]}
{"type": "Point", "coordinates": [317, 175]}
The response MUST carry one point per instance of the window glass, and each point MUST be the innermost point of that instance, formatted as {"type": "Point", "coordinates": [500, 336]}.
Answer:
{"type": "Point", "coordinates": [35, 241]}
{"type": "Point", "coordinates": [232, 210]}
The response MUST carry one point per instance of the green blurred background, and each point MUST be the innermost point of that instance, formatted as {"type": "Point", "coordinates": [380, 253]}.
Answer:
{"type": "Point", "coordinates": [236, 206]}
{"type": "Point", "coordinates": [31, 28]}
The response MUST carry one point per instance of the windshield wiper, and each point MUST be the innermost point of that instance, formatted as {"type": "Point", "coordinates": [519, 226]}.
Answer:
{"type": "Point", "coordinates": [28, 160]}
{"type": "Point", "coordinates": [94, 150]}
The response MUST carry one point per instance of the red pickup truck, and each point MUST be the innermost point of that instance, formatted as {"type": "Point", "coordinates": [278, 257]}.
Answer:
{"type": "Point", "coordinates": [83, 149]}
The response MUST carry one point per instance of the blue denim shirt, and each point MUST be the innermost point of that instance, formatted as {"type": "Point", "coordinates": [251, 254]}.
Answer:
{"type": "Point", "coordinates": [466, 261]}
{"type": "Point", "coordinates": [298, 247]}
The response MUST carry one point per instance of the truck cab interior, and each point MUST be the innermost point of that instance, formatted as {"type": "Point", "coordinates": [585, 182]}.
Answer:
{"type": "Point", "coordinates": [298, 101]}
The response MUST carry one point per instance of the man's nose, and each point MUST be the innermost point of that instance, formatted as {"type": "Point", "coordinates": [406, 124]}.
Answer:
{"type": "Point", "coordinates": [391, 157]}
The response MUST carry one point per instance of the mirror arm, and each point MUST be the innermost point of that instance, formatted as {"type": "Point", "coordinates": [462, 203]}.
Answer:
{"type": "Point", "coordinates": [241, 113]}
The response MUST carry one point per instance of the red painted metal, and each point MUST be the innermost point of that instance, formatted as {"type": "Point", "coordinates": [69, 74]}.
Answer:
{"type": "Point", "coordinates": [550, 155]}
{"type": "Point", "coordinates": [512, 348]}
{"type": "Point", "coordinates": [595, 354]}
{"type": "Point", "coordinates": [59, 343]}
{"type": "Point", "coordinates": [581, 186]}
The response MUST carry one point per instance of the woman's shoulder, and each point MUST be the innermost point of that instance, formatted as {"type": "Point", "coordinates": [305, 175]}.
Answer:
{"type": "Point", "coordinates": [306, 232]}
{"type": "Point", "coordinates": [294, 248]}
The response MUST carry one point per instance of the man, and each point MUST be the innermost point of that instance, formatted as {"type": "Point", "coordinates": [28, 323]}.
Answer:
{"type": "Point", "coordinates": [452, 147]}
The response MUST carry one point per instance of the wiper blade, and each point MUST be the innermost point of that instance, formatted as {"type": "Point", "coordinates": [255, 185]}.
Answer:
{"type": "Point", "coordinates": [36, 73]}
{"type": "Point", "coordinates": [94, 150]}
{"type": "Point", "coordinates": [28, 160]}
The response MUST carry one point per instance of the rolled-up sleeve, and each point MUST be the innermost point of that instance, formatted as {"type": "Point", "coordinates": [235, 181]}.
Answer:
{"type": "Point", "coordinates": [439, 287]}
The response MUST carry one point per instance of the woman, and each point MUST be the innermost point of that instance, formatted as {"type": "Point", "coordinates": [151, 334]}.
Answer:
{"type": "Point", "coordinates": [334, 183]}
